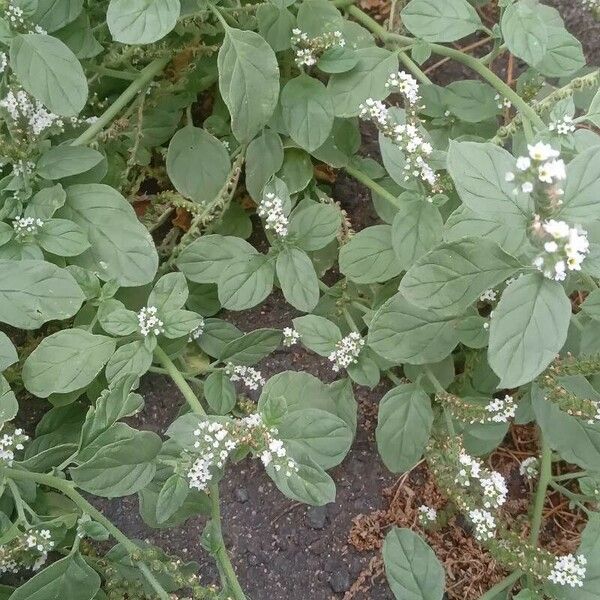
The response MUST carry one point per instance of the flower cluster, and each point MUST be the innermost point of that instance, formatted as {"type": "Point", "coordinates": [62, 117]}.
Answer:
{"type": "Point", "coordinates": [405, 135]}
{"type": "Point", "coordinates": [502, 409]}
{"type": "Point", "coordinates": [271, 209]}
{"type": "Point", "coordinates": [3, 62]}
{"type": "Point", "coordinates": [563, 127]}
{"type": "Point", "coordinates": [404, 84]}
{"type": "Point", "coordinates": [9, 443]}
{"type": "Point", "coordinates": [15, 17]}
{"type": "Point", "coordinates": [290, 336]}
{"type": "Point", "coordinates": [494, 489]}
{"type": "Point", "coordinates": [308, 50]}
{"type": "Point", "coordinates": [484, 524]}
{"type": "Point", "coordinates": [28, 115]}
{"type": "Point", "coordinates": [217, 440]}
{"type": "Point", "coordinates": [489, 296]}
{"type": "Point", "coordinates": [149, 322]}
{"type": "Point", "coordinates": [541, 166]}
{"type": "Point", "coordinates": [502, 102]}
{"type": "Point", "coordinates": [346, 351]}
{"type": "Point", "coordinates": [529, 467]}
{"type": "Point", "coordinates": [427, 515]}
{"type": "Point", "coordinates": [23, 167]}
{"type": "Point", "coordinates": [569, 570]}
{"type": "Point", "coordinates": [28, 550]}
{"type": "Point", "coordinates": [249, 376]}
{"type": "Point", "coordinates": [564, 248]}
{"type": "Point", "coordinates": [197, 332]}
{"type": "Point", "coordinates": [26, 226]}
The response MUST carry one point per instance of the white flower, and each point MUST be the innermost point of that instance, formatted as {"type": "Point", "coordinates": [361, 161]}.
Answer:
{"type": "Point", "coordinates": [29, 114]}
{"type": "Point", "coordinates": [9, 444]}
{"type": "Point", "coordinates": [250, 377]}
{"type": "Point", "coordinates": [197, 332]}
{"type": "Point", "coordinates": [551, 171]}
{"type": "Point", "coordinates": [308, 50]}
{"type": "Point", "coordinates": [26, 226]}
{"type": "Point", "coordinates": [271, 209]}
{"type": "Point", "coordinates": [527, 187]}
{"type": "Point", "coordinates": [405, 84]}
{"type": "Point", "coordinates": [541, 151]}
{"type": "Point", "coordinates": [529, 467]}
{"type": "Point", "coordinates": [502, 409]}
{"type": "Point", "coordinates": [470, 468]}
{"type": "Point", "coordinates": [346, 351]}
{"type": "Point", "coordinates": [149, 322]}
{"type": "Point", "coordinates": [488, 296]}
{"type": "Point", "coordinates": [484, 523]}
{"type": "Point", "coordinates": [3, 61]}
{"type": "Point", "coordinates": [510, 176]}
{"type": "Point", "coordinates": [504, 103]}
{"type": "Point", "coordinates": [523, 163]}
{"type": "Point", "coordinates": [290, 336]}
{"type": "Point", "coordinates": [563, 127]}
{"type": "Point", "coordinates": [427, 514]}
{"type": "Point", "coordinates": [494, 490]}
{"type": "Point", "coordinates": [569, 570]}
{"type": "Point", "coordinates": [551, 247]}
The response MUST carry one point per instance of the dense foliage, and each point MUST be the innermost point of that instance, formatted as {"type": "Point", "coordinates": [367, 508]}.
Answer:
{"type": "Point", "coordinates": [476, 294]}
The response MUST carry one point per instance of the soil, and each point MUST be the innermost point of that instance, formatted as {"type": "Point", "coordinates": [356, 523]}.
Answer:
{"type": "Point", "coordinates": [282, 550]}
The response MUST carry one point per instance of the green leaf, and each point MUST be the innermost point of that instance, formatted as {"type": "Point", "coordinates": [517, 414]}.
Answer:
{"type": "Point", "coordinates": [316, 17]}
{"type": "Point", "coordinates": [322, 436]}
{"type": "Point", "coordinates": [297, 278]}
{"type": "Point", "coordinates": [8, 353]}
{"type": "Point", "coordinates": [46, 202]}
{"type": "Point", "coordinates": [524, 31]}
{"type": "Point", "coordinates": [264, 158]}
{"type": "Point", "coordinates": [402, 332]}
{"type": "Point", "coordinates": [122, 465]}
{"type": "Point", "coordinates": [313, 225]}
{"type": "Point", "coordinates": [307, 111]}
{"type": "Point", "coordinates": [180, 323]}
{"type": "Point", "coordinates": [273, 409]}
{"type": "Point", "coordinates": [366, 80]}
{"type": "Point", "coordinates": [479, 172]}
{"type": "Point", "coordinates": [440, 21]}
{"type": "Point", "coordinates": [310, 484]}
{"type": "Point", "coordinates": [337, 60]}
{"type": "Point", "coordinates": [508, 231]}
{"type": "Point", "coordinates": [121, 247]}
{"type": "Point", "coordinates": [564, 55]}
{"type": "Point", "coordinates": [217, 334]}
{"type": "Point", "coordinates": [115, 319]}
{"type": "Point", "coordinates": [252, 347]}
{"type": "Point", "coordinates": [369, 256]}
{"type": "Point", "coordinates": [33, 292]}
{"type": "Point", "coordinates": [64, 161]}
{"type": "Point", "coordinates": [297, 170]}
{"type": "Point", "coordinates": [130, 359]}
{"type": "Point", "coordinates": [317, 333]}
{"type": "Point", "coordinates": [50, 72]}
{"type": "Point", "coordinates": [471, 101]}
{"type": "Point", "coordinates": [9, 407]}
{"type": "Point", "coordinates": [141, 21]}
{"type": "Point", "coordinates": [403, 426]}
{"type": "Point", "coordinates": [197, 163]}
{"type": "Point", "coordinates": [169, 293]}
{"type": "Point", "coordinates": [245, 282]}
{"type": "Point", "coordinates": [582, 188]}
{"type": "Point", "coordinates": [79, 37]}
{"type": "Point", "coordinates": [54, 14]}
{"type": "Point", "coordinates": [205, 259]}
{"type": "Point", "coordinates": [576, 440]}
{"type": "Point", "coordinates": [365, 370]}
{"type": "Point", "coordinates": [66, 361]}
{"type": "Point", "coordinates": [411, 567]}
{"type": "Point", "coordinates": [275, 24]}
{"type": "Point", "coordinates": [219, 393]}
{"type": "Point", "coordinates": [454, 274]}
{"type": "Point", "coordinates": [69, 578]}
{"type": "Point", "coordinates": [416, 229]}
{"type": "Point", "coordinates": [528, 329]}
{"type": "Point", "coordinates": [62, 237]}
{"type": "Point", "coordinates": [248, 81]}
{"type": "Point", "coordinates": [171, 497]}
{"type": "Point", "coordinates": [593, 112]}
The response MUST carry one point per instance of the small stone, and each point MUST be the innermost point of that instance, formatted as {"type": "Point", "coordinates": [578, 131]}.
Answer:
{"type": "Point", "coordinates": [317, 515]}
{"type": "Point", "coordinates": [241, 495]}
{"type": "Point", "coordinates": [340, 581]}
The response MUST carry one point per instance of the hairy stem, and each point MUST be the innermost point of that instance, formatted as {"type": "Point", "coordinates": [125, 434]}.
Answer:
{"type": "Point", "coordinates": [146, 75]}
{"type": "Point", "coordinates": [372, 185]}
{"type": "Point", "coordinates": [224, 563]}
{"type": "Point", "coordinates": [470, 61]}
{"type": "Point", "coordinates": [68, 489]}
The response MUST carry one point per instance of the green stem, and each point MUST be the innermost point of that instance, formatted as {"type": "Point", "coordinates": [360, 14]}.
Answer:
{"type": "Point", "coordinates": [372, 185]}
{"type": "Point", "coordinates": [115, 73]}
{"type": "Point", "coordinates": [14, 490]}
{"type": "Point", "coordinates": [146, 75]}
{"type": "Point", "coordinates": [393, 378]}
{"type": "Point", "coordinates": [439, 388]}
{"type": "Point", "coordinates": [467, 60]}
{"type": "Point", "coordinates": [68, 489]}
{"type": "Point", "coordinates": [179, 380]}
{"type": "Point", "coordinates": [413, 67]}
{"type": "Point", "coordinates": [568, 476]}
{"type": "Point", "coordinates": [540, 494]}
{"type": "Point", "coordinates": [350, 320]}
{"type": "Point", "coordinates": [507, 582]}
{"type": "Point", "coordinates": [221, 555]}
{"type": "Point", "coordinates": [577, 498]}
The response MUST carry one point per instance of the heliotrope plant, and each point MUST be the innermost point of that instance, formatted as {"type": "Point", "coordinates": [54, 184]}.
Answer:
{"type": "Point", "coordinates": [125, 207]}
